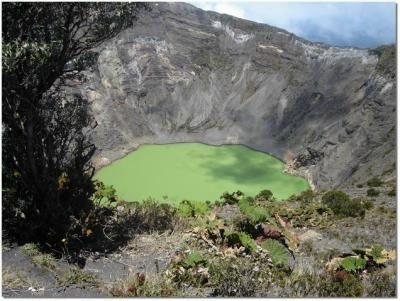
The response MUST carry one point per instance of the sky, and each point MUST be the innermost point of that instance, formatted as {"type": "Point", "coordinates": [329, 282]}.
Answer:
{"type": "Point", "coordinates": [354, 24]}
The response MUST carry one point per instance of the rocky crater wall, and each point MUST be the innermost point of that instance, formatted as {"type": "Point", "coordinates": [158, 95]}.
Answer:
{"type": "Point", "coordinates": [183, 74]}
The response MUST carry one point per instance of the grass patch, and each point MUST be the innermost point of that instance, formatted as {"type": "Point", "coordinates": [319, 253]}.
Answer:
{"type": "Point", "coordinates": [16, 279]}
{"type": "Point", "coordinates": [75, 276]}
{"type": "Point", "coordinates": [138, 285]}
{"type": "Point", "coordinates": [37, 257]}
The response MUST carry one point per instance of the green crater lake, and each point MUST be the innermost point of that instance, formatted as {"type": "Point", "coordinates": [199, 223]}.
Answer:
{"type": "Point", "coordinates": [195, 171]}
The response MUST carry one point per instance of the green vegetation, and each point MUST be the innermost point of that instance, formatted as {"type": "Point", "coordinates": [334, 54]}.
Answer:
{"type": "Point", "coordinates": [37, 257]}
{"type": "Point", "coordinates": [374, 182]}
{"type": "Point", "coordinates": [236, 277]}
{"type": "Point", "coordinates": [76, 276]}
{"type": "Point", "coordinates": [243, 257]}
{"type": "Point", "coordinates": [264, 195]}
{"type": "Point", "coordinates": [304, 197]}
{"type": "Point", "coordinates": [279, 253]}
{"type": "Point", "coordinates": [372, 192]}
{"type": "Point", "coordinates": [353, 263]}
{"type": "Point", "coordinates": [242, 239]}
{"type": "Point", "coordinates": [46, 167]}
{"type": "Point", "coordinates": [193, 260]}
{"type": "Point", "coordinates": [192, 171]}
{"type": "Point", "coordinates": [342, 205]}
{"type": "Point", "coordinates": [231, 198]}
{"type": "Point", "coordinates": [255, 214]}
{"type": "Point", "coordinates": [387, 57]}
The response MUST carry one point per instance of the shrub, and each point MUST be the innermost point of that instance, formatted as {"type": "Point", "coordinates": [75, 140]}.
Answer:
{"type": "Point", "coordinates": [350, 286]}
{"type": "Point", "coordinates": [265, 195]}
{"type": "Point", "coordinates": [231, 198]}
{"type": "Point", "coordinates": [392, 192]}
{"type": "Point", "coordinates": [342, 205]}
{"type": "Point", "coordinates": [374, 182]}
{"type": "Point", "coordinates": [372, 192]}
{"type": "Point", "coordinates": [368, 204]}
{"type": "Point", "coordinates": [236, 278]}
{"type": "Point", "coordinates": [306, 196]}
{"type": "Point", "coordinates": [323, 285]}
{"type": "Point", "coordinates": [152, 216]}
{"type": "Point", "coordinates": [103, 194]}
{"type": "Point", "coordinates": [141, 285]}
{"type": "Point", "coordinates": [382, 284]}
{"type": "Point", "coordinates": [360, 185]}
{"type": "Point", "coordinates": [108, 227]}
{"type": "Point", "coordinates": [365, 202]}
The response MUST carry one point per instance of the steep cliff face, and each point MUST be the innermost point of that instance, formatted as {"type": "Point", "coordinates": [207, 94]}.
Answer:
{"type": "Point", "coordinates": [183, 74]}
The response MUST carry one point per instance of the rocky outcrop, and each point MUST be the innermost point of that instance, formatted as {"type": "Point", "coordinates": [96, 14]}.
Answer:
{"type": "Point", "coordinates": [184, 74]}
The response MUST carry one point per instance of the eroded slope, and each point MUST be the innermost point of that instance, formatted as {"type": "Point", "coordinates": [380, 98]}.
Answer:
{"type": "Point", "coordinates": [183, 74]}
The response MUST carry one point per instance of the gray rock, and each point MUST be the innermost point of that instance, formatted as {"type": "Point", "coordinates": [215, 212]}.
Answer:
{"type": "Point", "coordinates": [184, 74]}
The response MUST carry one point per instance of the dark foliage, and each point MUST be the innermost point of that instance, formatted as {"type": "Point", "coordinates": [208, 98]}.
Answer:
{"type": "Point", "coordinates": [372, 192]}
{"type": "Point", "coordinates": [46, 170]}
{"type": "Point", "coordinates": [374, 182]}
{"type": "Point", "coordinates": [342, 205]}
{"type": "Point", "coordinates": [265, 195]}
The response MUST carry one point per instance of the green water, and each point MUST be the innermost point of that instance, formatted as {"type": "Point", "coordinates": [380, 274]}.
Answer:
{"type": "Point", "coordinates": [194, 171]}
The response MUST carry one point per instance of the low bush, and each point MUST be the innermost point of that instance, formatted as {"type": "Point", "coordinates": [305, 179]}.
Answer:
{"type": "Point", "coordinates": [238, 277]}
{"type": "Point", "coordinates": [264, 195]}
{"type": "Point", "coordinates": [392, 192]}
{"type": "Point", "coordinates": [342, 205]}
{"type": "Point", "coordinates": [231, 198]}
{"type": "Point", "coordinates": [323, 285]}
{"type": "Point", "coordinates": [304, 197]}
{"type": "Point", "coordinates": [365, 202]}
{"type": "Point", "coordinates": [381, 284]}
{"type": "Point", "coordinates": [372, 192]}
{"type": "Point", "coordinates": [140, 285]}
{"type": "Point", "coordinates": [348, 286]}
{"type": "Point", "coordinates": [374, 182]}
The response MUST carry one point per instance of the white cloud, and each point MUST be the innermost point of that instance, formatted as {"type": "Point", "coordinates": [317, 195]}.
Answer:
{"type": "Point", "coordinates": [361, 24]}
{"type": "Point", "coordinates": [229, 9]}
